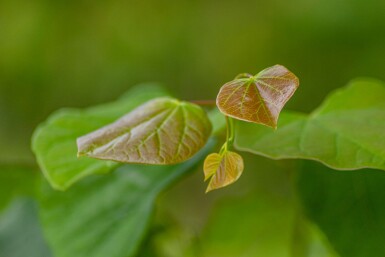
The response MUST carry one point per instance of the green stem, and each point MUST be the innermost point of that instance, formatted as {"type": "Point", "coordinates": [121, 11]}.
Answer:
{"type": "Point", "coordinates": [230, 131]}
{"type": "Point", "coordinates": [204, 102]}
{"type": "Point", "coordinates": [229, 135]}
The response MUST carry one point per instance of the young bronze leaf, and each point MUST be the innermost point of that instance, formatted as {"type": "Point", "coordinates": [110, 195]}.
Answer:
{"type": "Point", "coordinates": [161, 131]}
{"type": "Point", "coordinates": [260, 98]}
{"type": "Point", "coordinates": [224, 169]}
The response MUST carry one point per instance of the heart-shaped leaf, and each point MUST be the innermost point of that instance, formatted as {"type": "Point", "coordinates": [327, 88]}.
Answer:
{"type": "Point", "coordinates": [224, 169]}
{"type": "Point", "coordinates": [161, 131]}
{"type": "Point", "coordinates": [258, 98]}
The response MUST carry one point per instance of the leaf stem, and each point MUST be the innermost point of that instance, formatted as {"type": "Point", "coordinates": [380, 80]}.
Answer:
{"type": "Point", "coordinates": [230, 130]}
{"type": "Point", "coordinates": [204, 102]}
{"type": "Point", "coordinates": [229, 135]}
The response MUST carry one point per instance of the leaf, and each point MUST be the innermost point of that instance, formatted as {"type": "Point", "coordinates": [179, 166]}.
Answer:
{"type": "Point", "coordinates": [263, 222]}
{"type": "Point", "coordinates": [346, 132]}
{"type": "Point", "coordinates": [20, 231]}
{"type": "Point", "coordinates": [260, 98]}
{"type": "Point", "coordinates": [218, 121]}
{"type": "Point", "coordinates": [223, 169]}
{"type": "Point", "coordinates": [348, 206]}
{"type": "Point", "coordinates": [161, 131]}
{"type": "Point", "coordinates": [107, 215]}
{"type": "Point", "coordinates": [54, 141]}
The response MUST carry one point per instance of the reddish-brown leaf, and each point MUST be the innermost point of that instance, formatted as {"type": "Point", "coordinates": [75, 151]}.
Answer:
{"type": "Point", "coordinates": [258, 98]}
{"type": "Point", "coordinates": [161, 131]}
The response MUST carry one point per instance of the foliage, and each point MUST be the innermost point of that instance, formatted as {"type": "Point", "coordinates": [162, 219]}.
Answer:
{"type": "Point", "coordinates": [260, 98]}
{"type": "Point", "coordinates": [20, 231]}
{"type": "Point", "coordinates": [223, 169]}
{"type": "Point", "coordinates": [106, 215]}
{"type": "Point", "coordinates": [109, 214]}
{"type": "Point", "coordinates": [343, 133]}
{"type": "Point", "coordinates": [161, 131]}
{"type": "Point", "coordinates": [347, 206]}
{"type": "Point", "coordinates": [54, 142]}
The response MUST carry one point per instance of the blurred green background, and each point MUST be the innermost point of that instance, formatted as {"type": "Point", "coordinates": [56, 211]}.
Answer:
{"type": "Point", "coordinates": [57, 54]}
{"type": "Point", "coordinates": [76, 53]}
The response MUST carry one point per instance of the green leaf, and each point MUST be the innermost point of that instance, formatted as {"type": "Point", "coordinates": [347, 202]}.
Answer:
{"type": "Point", "coordinates": [346, 132]}
{"type": "Point", "coordinates": [20, 231]}
{"type": "Point", "coordinates": [107, 215]}
{"type": "Point", "coordinates": [161, 131]}
{"type": "Point", "coordinates": [348, 206]}
{"type": "Point", "coordinates": [223, 169]}
{"type": "Point", "coordinates": [262, 224]}
{"type": "Point", "coordinates": [260, 98]}
{"type": "Point", "coordinates": [16, 181]}
{"type": "Point", "coordinates": [54, 142]}
{"type": "Point", "coordinates": [218, 121]}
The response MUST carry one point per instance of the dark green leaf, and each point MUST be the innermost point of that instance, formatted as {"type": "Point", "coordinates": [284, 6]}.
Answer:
{"type": "Point", "coordinates": [54, 142]}
{"type": "Point", "coordinates": [161, 131]}
{"type": "Point", "coordinates": [348, 206]}
{"type": "Point", "coordinates": [346, 132]}
{"type": "Point", "coordinates": [20, 231]}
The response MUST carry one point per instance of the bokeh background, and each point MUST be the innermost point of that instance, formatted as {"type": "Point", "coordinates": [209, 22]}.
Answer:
{"type": "Point", "coordinates": [77, 53]}
{"type": "Point", "coordinates": [57, 54]}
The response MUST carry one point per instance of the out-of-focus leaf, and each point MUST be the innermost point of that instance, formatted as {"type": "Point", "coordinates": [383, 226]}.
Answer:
{"type": "Point", "coordinates": [161, 131]}
{"type": "Point", "coordinates": [348, 206]}
{"type": "Point", "coordinates": [16, 181]}
{"type": "Point", "coordinates": [218, 121]}
{"type": "Point", "coordinates": [261, 225]}
{"type": "Point", "coordinates": [20, 231]}
{"type": "Point", "coordinates": [107, 215]}
{"type": "Point", "coordinates": [260, 98]}
{"type": "Point", "coordinates": [223, 169]}
{"type": "Point", "coordinates": [54, 142]}
{"type": "Point", "coordinates": [346, 132]}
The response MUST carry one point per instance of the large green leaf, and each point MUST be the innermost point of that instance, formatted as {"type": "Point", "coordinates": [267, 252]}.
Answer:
{"type": "Point", "coordinates": [346, 132]}
{"type": "Point", "coordinates": [106, 215]}
{"type": "Point", "coordinates": [262, 226]}
{"type": "Point", "coordinates": [20, 231]}
{"type": "Point", "coordinates": [161, 131]}
{"type": "Point", "coordinates": [348, 206]}
{"type": "Point", "coordinates": [54, 142]}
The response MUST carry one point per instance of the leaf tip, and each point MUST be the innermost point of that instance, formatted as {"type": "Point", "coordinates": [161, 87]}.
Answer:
{"type": "Point", "coordinates": [208, 190]}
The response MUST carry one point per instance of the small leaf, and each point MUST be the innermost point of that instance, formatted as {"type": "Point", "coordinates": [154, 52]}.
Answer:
{"type": "Point", "coordinates": [161, 131]}
{"type": "Point", "coordinates": [224, 169]}
{"type": "Point", "coordinates": [260, 98]}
